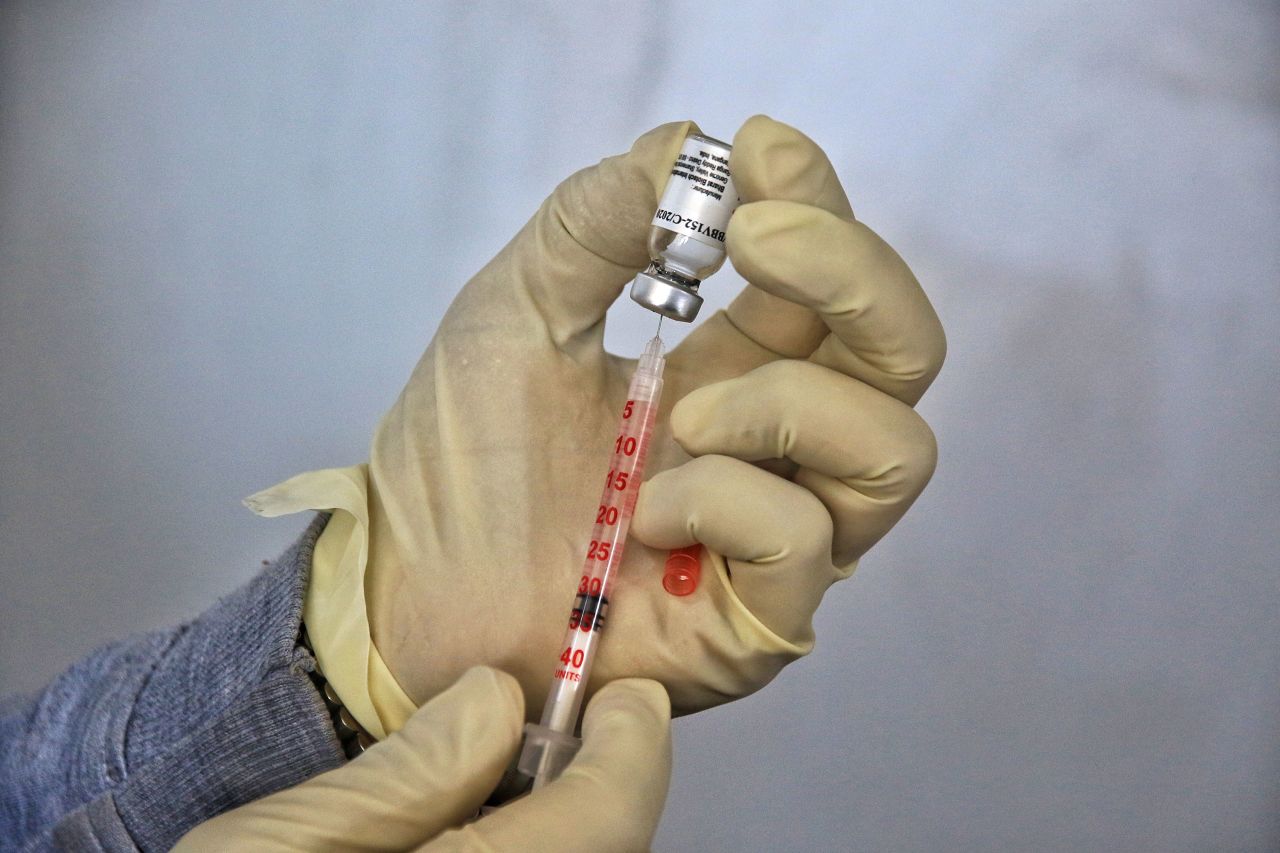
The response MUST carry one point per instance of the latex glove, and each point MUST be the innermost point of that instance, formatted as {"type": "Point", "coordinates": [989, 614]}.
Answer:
{"type": "Point", "coordinates": [415, 790]}
{"type": "Point", "coordinates": [485, 474]}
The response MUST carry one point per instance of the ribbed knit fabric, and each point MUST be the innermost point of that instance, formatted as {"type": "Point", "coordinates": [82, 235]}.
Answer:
{"type": "Point", "coordinates": [145, 738]}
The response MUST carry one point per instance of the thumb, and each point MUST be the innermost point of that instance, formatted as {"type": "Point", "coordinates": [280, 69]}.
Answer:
{"type": "Point", "coordinates": [609, 798]}
{"type": "Point", "coordinates": [432, 774]}
{"type": "Point", "coordinates": [587, 240]}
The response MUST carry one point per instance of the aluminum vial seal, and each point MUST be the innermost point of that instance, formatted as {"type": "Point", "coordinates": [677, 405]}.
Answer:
{"type": "Point", "coordinates": [686, 236]}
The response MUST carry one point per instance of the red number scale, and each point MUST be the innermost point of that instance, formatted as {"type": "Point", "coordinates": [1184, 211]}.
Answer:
{"type": "Point", "coordinates": [550, 744]}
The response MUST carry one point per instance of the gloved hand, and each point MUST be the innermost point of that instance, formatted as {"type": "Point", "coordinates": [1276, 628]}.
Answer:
{"type": "Point", "coordinates": [794, 404]}
{"type": "Point", "coordinates": [414, 790]}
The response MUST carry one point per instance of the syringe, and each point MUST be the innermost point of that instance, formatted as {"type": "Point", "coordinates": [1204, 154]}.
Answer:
{"type": "Point", "coordinates": [550, 745]}
{"type": "Point", "coordinates": [686, 244]}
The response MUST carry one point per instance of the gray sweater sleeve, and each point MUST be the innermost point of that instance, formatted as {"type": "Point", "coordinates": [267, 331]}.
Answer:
{"type": "Point", "coordinates": [145, 738]}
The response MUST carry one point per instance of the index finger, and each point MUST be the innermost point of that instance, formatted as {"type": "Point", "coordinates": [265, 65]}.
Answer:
{"type": "Point", "coordinates": [773, 160]}
{"type": "Point", "coordinates": [770, 160]}
{"type": "Point", "coordinates": [884, 330]}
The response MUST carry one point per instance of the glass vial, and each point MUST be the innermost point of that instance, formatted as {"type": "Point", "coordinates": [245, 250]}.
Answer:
{"type": "Point", "coordinates": [686, 238]}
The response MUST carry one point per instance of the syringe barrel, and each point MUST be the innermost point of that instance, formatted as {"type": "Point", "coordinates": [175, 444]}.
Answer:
{"type": "Point", "coordinates": [603, 558]}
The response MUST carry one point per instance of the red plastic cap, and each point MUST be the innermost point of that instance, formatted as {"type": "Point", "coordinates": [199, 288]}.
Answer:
{"type": "Point", "coordinates": [682, 571]}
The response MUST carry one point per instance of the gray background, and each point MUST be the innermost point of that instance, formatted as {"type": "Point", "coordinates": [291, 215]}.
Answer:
{"type": "Point", "coordinates": [228, 229]}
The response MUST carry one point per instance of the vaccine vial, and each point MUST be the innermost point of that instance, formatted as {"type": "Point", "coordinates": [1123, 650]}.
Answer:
{"type": "Point", "coordinates": [686, 237]}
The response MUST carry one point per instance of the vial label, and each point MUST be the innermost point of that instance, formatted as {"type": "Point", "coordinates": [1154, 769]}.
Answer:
{"type": "Point", "coordinates": [700, 196]}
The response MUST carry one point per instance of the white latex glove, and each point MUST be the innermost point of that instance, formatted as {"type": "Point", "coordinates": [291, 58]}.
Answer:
{"type": "Point", "coordinates": [796, 403]}
{"type": "Point", "coordinates": [417, 789]}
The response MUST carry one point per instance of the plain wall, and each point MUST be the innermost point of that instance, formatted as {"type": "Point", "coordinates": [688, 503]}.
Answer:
{"type": "Point", "coordinates": [228, 229]}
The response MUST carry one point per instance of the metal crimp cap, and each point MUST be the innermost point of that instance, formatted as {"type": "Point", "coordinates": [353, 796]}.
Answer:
{"type": "Point", "coordinates": [668, 294]}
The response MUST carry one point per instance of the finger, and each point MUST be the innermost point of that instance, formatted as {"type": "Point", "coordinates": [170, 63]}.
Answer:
{"type": "Point", "coordinates": [770, 160]}
{"type": "Point", "coordinates": [434, 773]}
{"type": "Point", "coordinates": [883, 329]}
{"type": "Point", "coordinates": [775, 535]}
{"type": "Point", "coordinates": [865, 455]}
{"type": "Point", "coordinates": [609, 798]}
{"type": "Point", "coordinates": [585, 243]}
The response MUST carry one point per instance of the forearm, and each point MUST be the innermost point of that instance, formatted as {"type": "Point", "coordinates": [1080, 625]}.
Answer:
{"type": "Point", "coordinates": [149, 736]}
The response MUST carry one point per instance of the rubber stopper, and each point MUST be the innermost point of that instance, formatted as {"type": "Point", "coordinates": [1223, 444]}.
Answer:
{"type": "Point", "coordinates": [682, 571]}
